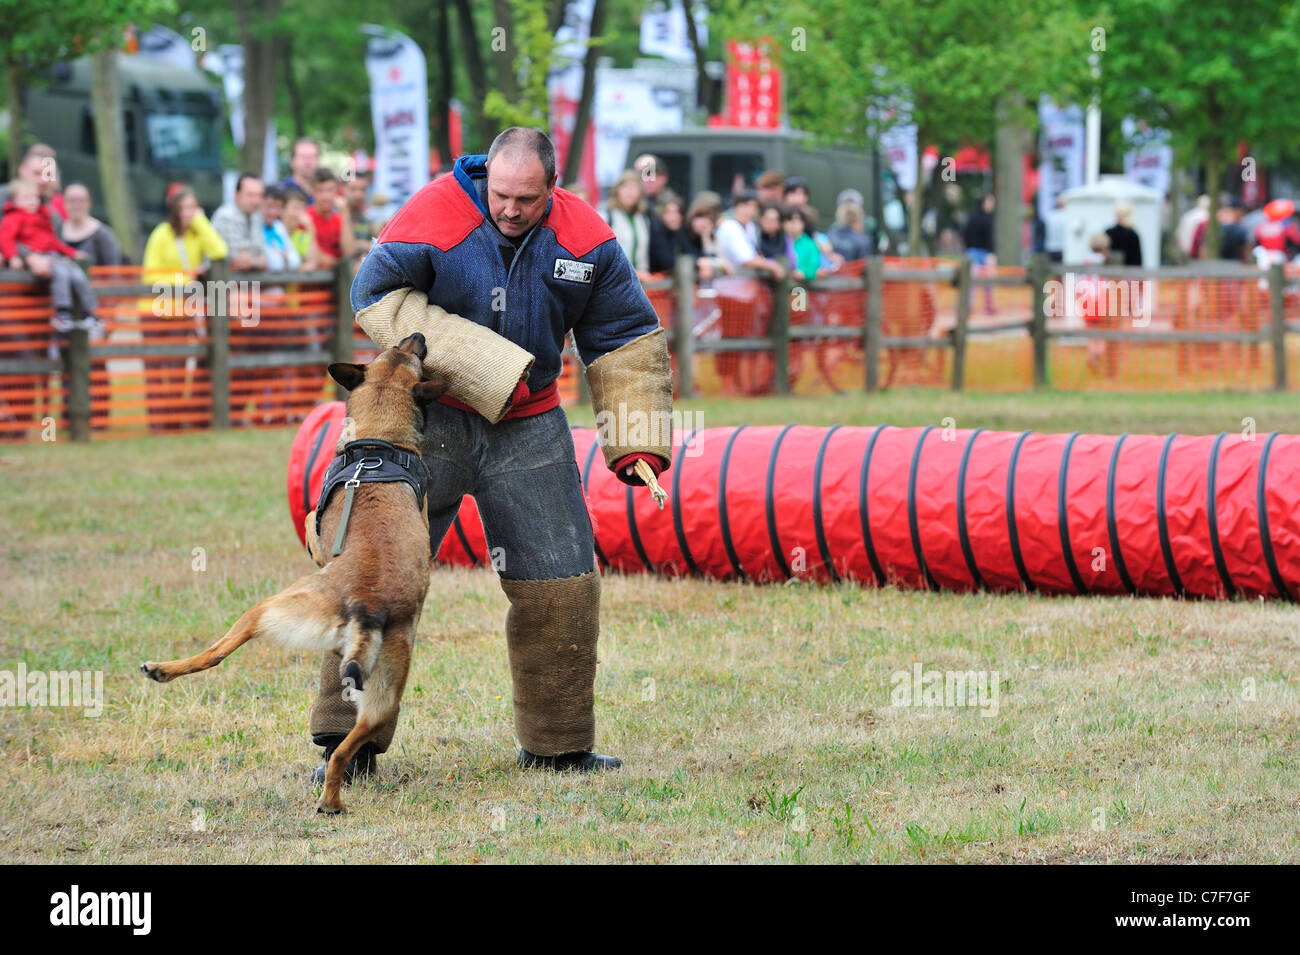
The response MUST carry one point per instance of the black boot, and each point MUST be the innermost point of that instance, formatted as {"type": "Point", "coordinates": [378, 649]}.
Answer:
{"type": "Point", "coordinates": [582, 762]}
{"type": "Point", "coordinates": [362, 762]}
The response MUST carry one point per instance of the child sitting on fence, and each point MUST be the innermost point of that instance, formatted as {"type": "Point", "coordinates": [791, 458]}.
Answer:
{"type": "Point", "coordinates": [27, 222]}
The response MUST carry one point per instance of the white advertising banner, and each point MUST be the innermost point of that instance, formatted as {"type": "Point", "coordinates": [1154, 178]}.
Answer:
{"type": "Point", "coordinates": [629, 104]}
{"type": "Point", "coordinates": [663, 32]}
{"type": "Point", "coordinates": [1150, 160]}
{"type": "Point", "coordinates": [399, 108]}
{"type": "Point", "coordinates": [1060, 152]}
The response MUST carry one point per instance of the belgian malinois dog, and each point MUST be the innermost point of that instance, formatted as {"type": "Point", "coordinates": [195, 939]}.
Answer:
{"type": "Point", "coordinates": [366, 602]}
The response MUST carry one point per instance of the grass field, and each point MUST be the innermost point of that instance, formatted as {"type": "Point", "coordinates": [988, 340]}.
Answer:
{"type": "Point", "coordinates": [755, 723]}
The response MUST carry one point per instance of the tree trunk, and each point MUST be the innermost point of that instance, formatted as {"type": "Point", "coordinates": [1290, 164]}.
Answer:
{"type": "Point", "coordinates": [573, 162]}
{"type": "Point", "coordinates": [15, 100]}
{"type": "Point", "coordinates": [918, 200]}
{"type": "Point", "coordinates": [503, 60]}
{"type": "Point", "coordinates": [111, 152]}
{"type": "Point", "coordinates": [441, 42]}
{"type": "Point", "coordinates": [701, 75]}
{"type": "Point", "coordinates": [1213, 179]}
{"type": "Point", "coordinates": [555, 19]}
{"type": "Point", "coordinates": [259, 79]}
{"type": "Point", "coordinates": [1008, 212]}
{"type": "Point", "coordinates": [285, 45]}
{"type": "Point", "coordinates": [478, 83]}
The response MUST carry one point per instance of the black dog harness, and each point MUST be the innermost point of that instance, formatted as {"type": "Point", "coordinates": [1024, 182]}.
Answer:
{"type": "Point", "coordinates": [367, 461]}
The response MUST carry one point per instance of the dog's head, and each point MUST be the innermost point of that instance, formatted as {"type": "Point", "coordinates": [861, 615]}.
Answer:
{"type": "Point", "coordinates": [375, 399]}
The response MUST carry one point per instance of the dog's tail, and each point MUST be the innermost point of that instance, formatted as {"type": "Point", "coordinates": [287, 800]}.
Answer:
{"type": "Point", "coordinates": [364, 635]}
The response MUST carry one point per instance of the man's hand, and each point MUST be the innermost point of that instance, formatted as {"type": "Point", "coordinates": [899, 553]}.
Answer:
{"type": "Point", "coordinates": [15, 262]}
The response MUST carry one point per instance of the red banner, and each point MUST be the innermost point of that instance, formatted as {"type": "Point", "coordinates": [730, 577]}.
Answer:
{"type": "Point", "coordinates": [753, 85]}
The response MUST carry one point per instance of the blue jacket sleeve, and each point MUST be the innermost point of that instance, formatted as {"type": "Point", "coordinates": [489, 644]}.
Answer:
{"type": "Point", "coordinates": [388, 266]}
{"type": "Point", "coordinates": [618, 310]}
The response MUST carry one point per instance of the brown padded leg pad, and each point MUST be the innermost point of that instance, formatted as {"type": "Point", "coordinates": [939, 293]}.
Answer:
{"type": "Point", "coordinates": [551, 631]}
{"type": "Point", "coordinates": [333, 715]}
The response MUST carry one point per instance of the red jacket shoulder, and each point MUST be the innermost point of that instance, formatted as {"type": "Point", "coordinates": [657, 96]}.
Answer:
{"type": "Point", "coordinates": [439, 214]}
{"type": "Point", "coordinates": [577, 226]}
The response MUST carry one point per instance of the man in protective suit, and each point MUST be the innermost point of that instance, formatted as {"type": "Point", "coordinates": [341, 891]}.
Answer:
{"type": "Point", "coordinates": [495, 265]}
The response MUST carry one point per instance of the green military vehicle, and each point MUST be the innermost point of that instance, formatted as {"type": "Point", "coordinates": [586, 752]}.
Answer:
{"type": "Point", "coordinates": [172, 123]}
{"type": "Point", "coordinates": [719, 159]}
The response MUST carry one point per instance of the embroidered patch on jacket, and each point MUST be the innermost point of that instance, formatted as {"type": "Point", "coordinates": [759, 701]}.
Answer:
{"type": "Point", "coordinates": [572, 270]}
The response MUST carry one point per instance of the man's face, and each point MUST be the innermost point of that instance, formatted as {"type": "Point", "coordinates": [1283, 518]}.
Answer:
{"type": "Point", "coordinates": [304, 161]}
{"type": "Point", "coordinates": [249, 196]}
{"type": "Point", "coordinates": [271, 209]}
{"type": "Point", "coordinates": [517, 193]}
{"type": "Point", "coordinates": [355, 192]}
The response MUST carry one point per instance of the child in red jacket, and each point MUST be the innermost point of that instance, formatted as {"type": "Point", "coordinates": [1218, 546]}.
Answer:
{"type": "Point", "coordinates": [27, 222]}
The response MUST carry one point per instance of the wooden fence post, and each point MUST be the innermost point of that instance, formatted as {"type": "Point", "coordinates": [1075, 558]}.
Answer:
{"type": "Point", "coordinates": [219, 345]}
{"type": "Point", "coordinates": [963, 322]}
{"type": "Point", "coordinates": [780, 333]}
{"type": "Point", "coordinates": [76, 375]}
{"type": "Point", "coordinates": [874, 276]}
{"type": "Point", "coordinates": [683, 323]}
{"type": "Point", "coordinates": [1037, 318]}
{"type": "Point", "coordinates": [1277, 325]}
{"type": "Point", "coordinates": [344, 320]}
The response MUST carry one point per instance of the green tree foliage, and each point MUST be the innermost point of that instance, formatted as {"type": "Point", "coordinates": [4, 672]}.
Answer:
{"type": "Point", "coordinates": [1214, 75]}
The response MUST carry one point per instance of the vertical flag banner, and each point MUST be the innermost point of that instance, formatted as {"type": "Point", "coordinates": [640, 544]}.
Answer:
{"type": "Point", "coordinates": [1060, 152]}
{"type": "Point", "coordinates": [1150, 160]}
{"type": "Point", "coordinates": [399, 108]}
{"type": "Point", "coordinates": [753, 85]}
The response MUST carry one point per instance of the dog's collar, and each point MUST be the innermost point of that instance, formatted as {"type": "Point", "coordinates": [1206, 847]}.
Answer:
{"type": "Point", "coordinates": [368, 461]}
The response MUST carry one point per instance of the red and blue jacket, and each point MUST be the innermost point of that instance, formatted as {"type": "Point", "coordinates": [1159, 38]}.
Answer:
{"type": "Point", "coordinates": [568, 273]}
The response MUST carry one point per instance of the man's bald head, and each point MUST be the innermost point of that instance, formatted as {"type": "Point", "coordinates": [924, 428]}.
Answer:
{"type": "Point", "coordinates": [521, 178]}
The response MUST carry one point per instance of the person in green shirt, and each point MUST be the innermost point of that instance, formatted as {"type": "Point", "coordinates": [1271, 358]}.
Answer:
{"type": "Point", "coordinates": [807, 256]}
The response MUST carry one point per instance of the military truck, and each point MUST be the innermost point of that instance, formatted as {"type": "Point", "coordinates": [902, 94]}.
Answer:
{"type": "Point", "coordinates": [719, 158]}
{"type": "Point", "coordinates": [172, 124]}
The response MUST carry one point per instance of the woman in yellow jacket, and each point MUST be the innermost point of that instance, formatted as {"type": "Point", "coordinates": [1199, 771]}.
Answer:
{"type": "Point", "coordinates": [178, 250]}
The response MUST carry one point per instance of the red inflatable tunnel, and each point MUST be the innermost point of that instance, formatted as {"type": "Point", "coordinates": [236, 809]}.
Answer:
{"type": "Point", "coordinates": [1215, 516]}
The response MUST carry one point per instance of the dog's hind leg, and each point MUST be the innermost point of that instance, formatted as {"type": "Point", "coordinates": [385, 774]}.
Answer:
{"type": "Point", "coordinates": [377, 704]}
{"type": "Point", "coordinates": [301, 616]}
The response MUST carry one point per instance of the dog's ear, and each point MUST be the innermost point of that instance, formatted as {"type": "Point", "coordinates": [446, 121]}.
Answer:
{"type": "Point", "coordinates": [430, 390]}
{"type": "Point", "coordinates": [348, 375]}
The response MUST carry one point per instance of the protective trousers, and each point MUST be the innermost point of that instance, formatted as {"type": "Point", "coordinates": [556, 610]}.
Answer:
{"type": "Point", "coordinates": [524, 479]}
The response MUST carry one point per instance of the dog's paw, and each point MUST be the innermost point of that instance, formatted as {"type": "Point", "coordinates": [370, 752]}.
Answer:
{"type": "Point", "coordinates": [330, 810]}
{"type": "Point", "coordinates": [154, 672]}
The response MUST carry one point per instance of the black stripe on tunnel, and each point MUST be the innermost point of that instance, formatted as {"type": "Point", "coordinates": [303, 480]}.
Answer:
{"type": "Point", "coordinates": [1212, 515]}
{"type": "Point", "coordinates": [722, 504]}
{"type": "Point", "coordinates": [1063, 516]}
{"type": "Point", "coordinates": [911, 510]}
{"type": "Point", "coordinates": [1265, 538]}
{"type": "Point", "coordinates": [863, 508]}
{"type": "Point", "coordinates": [677, 504]}
{"type": "Point", "coordinates": [963, 534]}
{"type": "Point", "coordinates": [1111, 529]}
{"type": "Point", "coordinates": [820, 531]}
{"type": "Point", "coordinates": [769, 504]}
{"type": "Point", "coordinates": [1162, 522]}
{"type": "Point", "coordinates": [1011, 513]}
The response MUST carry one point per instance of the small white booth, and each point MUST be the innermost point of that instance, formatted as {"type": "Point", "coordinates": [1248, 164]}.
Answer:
{"type": "Point", "coordinates": [1091, 209]}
